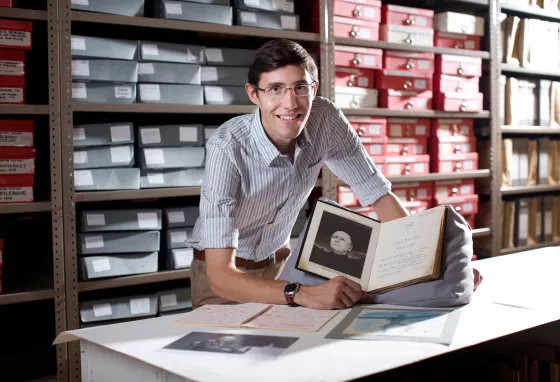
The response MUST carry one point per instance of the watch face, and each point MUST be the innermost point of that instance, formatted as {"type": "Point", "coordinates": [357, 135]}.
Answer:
{"type": "Point", "coordinates": [290, 288]}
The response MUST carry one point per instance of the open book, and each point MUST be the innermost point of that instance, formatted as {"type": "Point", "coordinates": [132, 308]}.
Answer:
{"type": "Point", "coordinates": [379, 256]}
{"type": "Point", "coordinates": [259, 316]}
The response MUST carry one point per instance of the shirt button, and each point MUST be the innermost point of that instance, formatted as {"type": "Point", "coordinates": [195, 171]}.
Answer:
{"type": "Point", "coordinates": [270, 225]}
{"type": "Point", "coordinates": [259, 250]}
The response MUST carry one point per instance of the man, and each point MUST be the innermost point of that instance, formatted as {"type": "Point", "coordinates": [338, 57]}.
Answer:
{"type": "Point", "coordinates": [340, 257]}
{"type": "Point", "coordinates": [260, 170]}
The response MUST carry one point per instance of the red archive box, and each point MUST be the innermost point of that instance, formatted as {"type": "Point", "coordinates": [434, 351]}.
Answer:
{"type": "Point", "coordinates": [6, 3]}
{"type": "Point", "coordinates": [364, 10]}
{"type": "Point", "coordinates": [452, 127]}
{"type": "Point", "coordinates": [376, 146]}
{"type": "Point", "coordinates": [444, 83]}
{"type": "Point", "coordinates": [407, 165]}
{"type": "Point", "coordinates": [346, 197]}
{"type": "Point", "coordinates": [464, 205]}
{"type": "Point", "coordinates": [357, 77]}
{"type": "Point", "coordinates": [398, 80]}
{"type": "Point", "coordinates": [458, 65]}
{"type": "Point", "coordinates": [12, 89]}
{"type": "Point", "coordinates": [408, 127]}
{"type": "Point", "coordinates": [398, 15]}
{"type": "Point", "coordinates": [407, 146]}
{"type": "Point", "coordinates": [12, 62]}
{"type": "Point", "coordinates": [456, 40]}
{"type": "Point", "coordinates": [354, 28]}
{"type": "Point", "coordinates": [405, 100]}
{"type": "Point", "coordinates": [18, 160]}
{"type": "Point", "coordinates": [459, 144]}
{"type": "Point", "coordinates": [15, 34]}
{"type": "Point", "coordinates": [380, 162]}
{"type": "Point", "coordinates": [452, 188]}
{"type": "Point", "coordinates": [368, 128]}
{"type": "Point", "coordinates": [455, 163]}
{"type": "Point", "coordinates": [1, 262]}
{"type": "Point", "coordinates": [459, 102]}
{"type": "Point", "coordinates": [409, 61]}
{"type": "Point", "coordinates": [16, 188]}
{"type": "Point", "coordinates": [416, 206]}
{"type": "Point", "coordinates": [423, 191]}
{"type": "Point", "coordinates": [356, 57]}
{"type": "Point", "coordinates": [16, 133]}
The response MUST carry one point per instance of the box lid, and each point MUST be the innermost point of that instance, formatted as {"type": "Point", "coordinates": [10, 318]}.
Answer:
{"type": "Point", "coordinates": [16, 180]}
{"type": "Point", "coordinates": [399, 73]}
{"type": "Point", "coordinates": [407, 29]}
{"type": "Point", "coordinates": [12, 81]}
{"type": "Point", "coordinates": [357, 49]}
{"type": "Point", "coordinates": [408, 10]}
{"type": "Point", "coordinates": [22, 125]}
{"type": "Point", "coordinates": [348, 20]}
{"type": "Point", "coordinates": [17, 153]}
{"type": "Point", "coordinates": [12, 54]}
{"type": "Point", "coordinates": [463, 156]}
{"type": "Point", "coordinates": [408, 159]}
{"type": "Point", "coordinates": [355, 91]}
{"type": "Point", "coordinates": [22, 26]}
{"type": "Point", "coordinates": [421, 55]}
{"type": "Point", "coordinates": [478, 96]}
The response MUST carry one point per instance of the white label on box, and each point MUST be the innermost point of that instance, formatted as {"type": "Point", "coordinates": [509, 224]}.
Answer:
{"type": "Point", "coordinates": [183, 258]}
{"type": "Point", "coordinates": [150, 50]}
{"type": "Point", "coordinates": [248, 17]}
{"type": "Point", "coordinates": [173, 8]}
{"type": "Point", "coordinates": [146, 68]}
{"type": "Point", "coordinates": [417, 149]}
{"type": "Point", "coordinates": [420, 84]}
{"type": "Point", "coordinates": [285, 5]}
{"type": "Point", "coordinates": [123, 92]}
{"type": "Point", "coordinates": [374, 129]}
{"type": "Point", "coordinates": [290, 22]}
{"type": "Point", "coordinates": [347, 199]}
{"type": "Point", "coordinates": [365, 33]}
{"type": "Point", "coordinates": [423, 64]}
{"type": "Point", "coordinates": [16, 166]}
{"type": "Point", "coordinates": [420, 130]}
{"type": "Point", "coordinates": [466, 147]}
{"type": "Point", "coordinates": [176, 217]}
{"type": "Point", "coordinates": [468, 207]}
{"type": "Point", "coordinates": [150, 135]}
{"type": "Point", "coordinates": [147, 220]}
{"type": "Point", "coordinates": [209, 73]}
{"type": "Point", "coordinates": [256, 3]}
{"type": "Point", "coordinates": [421, 102]}
{"type": "Point", "coordinates": [101, 265]}
{"type": "Point", "coordinates": [120, 133]}
{"type": "Point", "coordinates": [391, 148]}
{"type": "Point", "coordinates": [16, 138]}
{"type": "Point", "coordinates": [16, 194]}
{"type": "Point", "coordinates": [370, 12]}
{"type": "Point", "coordinates": [11, 95]}
{"type": "Point", "coordinates": [150, 92]}
{"type": "Point", "coordinates": [369, 60]}
{"type": "Point", "coordinates": [468, 165]}
{"type": "Point", "coordinates": [95, 219]}
{"type": "Point", "coordinates": [80, 2]}
{"type": "Point", "coordinates": [154, 156]}
{"type": "Point", "coordinates": [80, 68]}
{"type": "Point", "coordinates": [156, 178]}
{"type": "Point", "coordinates": [469, 44]}
{"type": "Point", "coordinates": [396, 130]}
{"type": "Point", "coordinates": [422, 193]}
{"type": "Point", "coordinates": [188, 134]}
{"type": "Point", "coordinates": [363, 81]}
{"type": "Point", "coordinates": [178, 237]}
{"type": "Point", "coordinates": [441, 192]}
{"type": "Point", "coordinates": [168, 300]}
{"type": "Point", "coordinates": [121, 154]}
{"type": "Point", "coordinates": [394, 169]}
{"type": "Point", "coordinates": [214, 55]}
{"type": "Point", "coordinates": [14, 38]}
{"type": "Point", "coordinates": [418, 168]}
{"type": "Point", "coordinates": [83, 178]}
{"type": "Point", "coordinates": [80, 157]}
{"type": "Point", "coordinates": [94, 242]}
{"type": "Point", "coordinates": [11, 68]}
{"type": "Point", "coordinates": [548, 223]}
{"type": "Point", "coordinates": [465, 190]}
{"type": "Point", "coordinates": [79, 90]}
{"type": "Point", "coordinates": [421, 21]}
{"type": "Point", "coordinates": [375, 149]}
{"type": "Point", "coordinates": [79, 134]}
{"type": "Point", "coordinates": [101, 310]}
{"type": "Point", "coordinates": [214, 94]}
{"type": "Point", "coordinates": [78, 43]}
{"type": "Point", "coordinates": [140, 305]}
{"type": "Point", "coordinates": [446, 167]}
{"type": "Point", "coordinates": [208, 132]}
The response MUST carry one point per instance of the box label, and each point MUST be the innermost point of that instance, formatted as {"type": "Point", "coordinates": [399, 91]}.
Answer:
{"type": "Point", "coordinates": [150, 92]}
{"type": "Point", "coordinates": [188, 134]}
{"type": "Point", "coordinates": [284, 5]}
{"type": "Point", "coordinates": [79, 134]}
{"type": "Point", "coordinates": [83, 178]}
{"type": "Point", "coordinates": [396, 130]}
{"type": "Point", "coordinates": [208, 132]}
{"type": "Point", "coordinates": [173, 9]}
{"type": "Point", "coordinates": [178, 237]}
{"type": "Point", "coordinates": [214, 94]}
{"type": "Point", "coordinates": [168, 300]}
{"type": "Point", "coordinates": [290, 22]}
{"type": "Point", "coordinates": [423, 64]}
{"type": "Point", "coordinates": [465, 190]}
{"type": "Point", "coordinates": [420, 130]}
{"type": "Point", "coordinates": [420, 84]}
{"type": "Point", "coordinates": [468, 165]}
{"type": "Point", "coordinates": [150, 50]}
{"type": "Point", "coordinates": [123, 92]}
{"type": "Point", "coordinates": [370, 12]}
{"type": "Point", "coordinates": [102, 310]}
{"type": "Point", "coordinates": [11, 95]}
{"type": "Point", "coordinates": [248, 17]}
{"type": "Point", "coordinates": [364, 32]}
{"type": "Point", "coordinates": [156, 178]}
{"type": "Point", "coordinates": [80, 157]}
{"type": "Point", "coordinates": [209, 73]}
{"type": "Point", "coordinates": [394, 169]}
{"type": "Point", "coordinates": [80, 2]}
{"type": "Point", "coordinates": [363, 81]}
{"type": "Point", "coordinates": [80, 68]}
{"type": "Point", "coordinates": [120, 133]}
{"type": "Point", "coordinates": [369, 60]}
{"type": "Point", "coordinates": [101, 265]}
{"type": "Point", "coordinates": [14, 38]}
{"type": "Point", "coordinates": [183, 258]}
{"type": "Point", "coordinates": [418, 168]}
{"type": "Point", "coordinates": [469, 44]}
{"type": "Point", "coordinates": [214, 55]}
{"type": "Point", "coordinates": [11, 68]}
{"type": "Point", "coordinates": [16, 194]}
{"type": "Point", "coordinates": [17, 166]}
{"type": "Point", "coordinates": [175, 217]}
{"type": "Point", "coordinates": [256, 3]}
{"type": "Point", "coordinates": [95, 220]}
{"type": "Point", "coordinates": [150, 136]}
{"type": "Point", "coordinates": [79, 90]}
{"type": "Point", "coordinates": [16, 138]}
{"type": "Point", "coordinates": [146, 68]}
{"type": "Point", "coordinates": [140, 305]}
{"type": "Point", "coordinates": [147, 220]}
{"type": "Point", "coordinates": [94, 242]}
{"type": "Point", "coordinates": [78, 43]}
{"type": "Point", "coordinates": [154, 156]}
{"type": "Point", "coordinates": [421, 21]}
{"type": "Point", "coordinates": [121, 154]}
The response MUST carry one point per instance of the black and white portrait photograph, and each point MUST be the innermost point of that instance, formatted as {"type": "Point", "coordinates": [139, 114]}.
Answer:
{"type": "Point", "coordinates": [341, 244]}
{"type": "Point", "coordinates": [233, 343]}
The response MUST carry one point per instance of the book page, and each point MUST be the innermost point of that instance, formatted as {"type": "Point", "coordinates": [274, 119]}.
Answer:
{"type": "Point", "coordinates": [406, 249]}
{"type": "Point", "coordinates": [222, 315]}
{"type": "Point", "coordinates": [283, 317]}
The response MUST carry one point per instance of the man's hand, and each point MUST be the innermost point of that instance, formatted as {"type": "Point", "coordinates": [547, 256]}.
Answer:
{"type": "Point", "coordinates": [477, 278]}
{"type": "Point", "coordinates": [338, 293]}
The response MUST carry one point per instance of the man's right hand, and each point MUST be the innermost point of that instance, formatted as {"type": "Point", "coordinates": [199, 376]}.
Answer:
{"type": "Point", "coordinates": [338, 293]}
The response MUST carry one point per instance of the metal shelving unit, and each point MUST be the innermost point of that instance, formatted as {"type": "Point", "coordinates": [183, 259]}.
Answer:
{"type": "Point", "coordinates": [17, 208]}
{"type": "Point", "coordinates": [24, 109]}
{"type": "Point", "coordinates": [23, 14]}
{"type": "Point", "coordinates": [536, 189]}
{"type": "Point", "coordinates": [26, 296]}
{"type": "Point", "coordinates": [524, 72]}
{"type": "Point", "coordinates": [529, 130]}
{"type": "Point", "coordinates": [530, 12]}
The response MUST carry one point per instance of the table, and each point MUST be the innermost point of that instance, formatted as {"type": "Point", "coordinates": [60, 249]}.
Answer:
{"type": "Point", "coordinates": [519, 292]}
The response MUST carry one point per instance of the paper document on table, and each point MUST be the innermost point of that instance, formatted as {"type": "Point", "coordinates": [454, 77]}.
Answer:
{"type": "Point", "coordinates": [282, 317]}
{"type": "Point", "coordinates": [223, 315]}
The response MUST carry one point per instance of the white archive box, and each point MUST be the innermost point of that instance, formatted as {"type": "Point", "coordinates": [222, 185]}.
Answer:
{"type": "Point", "coordinates": [120, 220]}
{"type": "Point", "coordinates": [172, 157]}
{"type": "Point", "coordinates": [400, 34]}
{"type": "Point", "coordinates": [103, 134]}
{"type": "Point", "coordinates": [106, 179]}
{"type": "Point", "coordinates": [225, 75]}
{"type": "Point", "coordinates": [353, 97]}
{"type": "Point", "coordinates": [174, 300]}
{"type": "Point", "coordinates": [118, 308]}
{"type": "Point", "coordinates": [118, 242]}
{"type": "Point", "coordinates": [170, 135]}
{"type": "Point", "coordinates": [114, 265]}
{"type": "Point", "coordinates": [180, 217]}
{"type": "Point", "coordinates": [119, 7]}
{"type": "Point", "coordinates": [104, 157]}
{"type": "Point", "coordinates": [192, 11]}
{"type": "Point", "coordinates": [453, 22]}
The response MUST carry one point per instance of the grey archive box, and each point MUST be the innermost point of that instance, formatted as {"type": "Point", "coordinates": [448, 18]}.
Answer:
{"type": "Point", "coordinates": [119, 308]}
{"type": "Point", "coordinates": [226, 95]}
{"type": "Point", "coordinates": [170, 93]}
{"type": "Point", "coordinates": [180, 217]}
{"type": "Point", "coordinates": [105, 70]}
{"type": "Point", "coordinates": [103, 134]}
{"type": "Point", "coordinates": [120, 7]}
{"type": "Point", "coordinates": [103, 92]}
{"type": "Point", "coordinates": [107, 179]}
{"type": "Point", "coordinates": [265, 5]}
{"type": "Point", "coordinates": [100, 47]}
{"type": "Point", "coordinates": [215, 2]}
{"type": "Point", "coordinates": [170, 135]}
{"type": "Point", "coordinates": [121, 220]}
{"type": "Point", "coordinates": [178, 237]}
{"type": "Point", "coordinates": [95, 267]}
{"type": "Point", "coordinates": [172, 157]}
{"type": "Point", "coordinates": [118, 242]}
{"type": "Point", "coordinates": [169, 73]}
{"type": "Point", "coordinates": [104, 156]}
{"type": "Point", "coordinates": [179, 258]}
{"type": "Point", "coordinates": [224, 75]}
{"type": "Point", "coordinates": [267, 20]}
{"type": "Point", "coordinates": [174, 300]}
{"type": "Point", "coordinates": [189, 177]}
{"type": "Point", "coordinates": [188, 11]}
{"type": "Point", "coordinates": [153, 51]}
{"type": "Point", "coordinates": [209, 131]}
{"type": "Point", "coordinates": [229, 56]}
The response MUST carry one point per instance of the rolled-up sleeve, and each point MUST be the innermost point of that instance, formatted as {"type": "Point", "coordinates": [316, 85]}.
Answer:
{"type": "Point", "coordinates": [348, 159]}
{"type": "Point", "coordinates": [218, 200]}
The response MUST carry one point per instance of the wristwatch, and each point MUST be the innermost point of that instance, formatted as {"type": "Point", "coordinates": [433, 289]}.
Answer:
{"type": "Point", "coordinates": [290, 291]}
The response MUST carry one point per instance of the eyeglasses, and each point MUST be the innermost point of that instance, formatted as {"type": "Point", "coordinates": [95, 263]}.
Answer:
{"type": "Point", "coordinates": [276, 93]}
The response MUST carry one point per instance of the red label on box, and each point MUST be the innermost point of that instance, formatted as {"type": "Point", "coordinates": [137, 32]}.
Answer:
{"type": "Point", "coordinates": [15, 34]}
{"type": "Point", "coordinates": [455, 163]}
{"type": "Point", "coordinates": [414, 191]}
{"type": "Point", "coordinates": [409, 61]}
{"type": "Point", "coordinates": [405, 100]}
{"type": "Point", "coordinates": [459, 65]}
{"type": "Point", "coordinates": [407, 146]}
{"type": "Point", "coordinates": [398, 15]}
{"type": "Point", "coordinates": [459, 102]}
{"type": "Point", "coordinates": [398, 80]}
{"type": "Point", "coordinates": [456, 40]}
{"type": "Point", "coordinates": [368, 128]}
{"type": "Point", "coordinates": [407, 165]}
{"type": "Point", "coordinates": [444, 83]}
{"type": "Point", "coordinates": [353, 28]}
{"type": "Point", "coordinates": [357, 77]}
{"type": "Point", "coordinates": [16, 133]}
{"type": "Point", "coordinates": [451, 188]}
{"type": "Point", "coordinates": [358, 11]}
{"type": "Point", "coordinates": [452, 127]}
{"type": "Point", "coordinates": [408, 127]}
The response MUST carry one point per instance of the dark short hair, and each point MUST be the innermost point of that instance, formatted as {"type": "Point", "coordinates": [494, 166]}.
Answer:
{"type": "Point", "coordinates": [279, 53]}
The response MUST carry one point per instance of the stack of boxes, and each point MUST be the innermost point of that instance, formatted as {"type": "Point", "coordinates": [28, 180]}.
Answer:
{"type": "Point", "coordinates": [357, 19]}
{"type": "Point", "coordinates": [203, 11]}
{"type": "Point", "coordinates": [405, 25]}
{"type": "Point", "coordinates": [15, 39]}
{"type": "Point", "coordinates": [17, 161]}
{"type": "Point", "coordinates": [458, 30]}
{"type": "Point", "coordinates": [456, 83]}
{"type": "Point", "coordinates": [269, 14]}
{"type": "Point", "coordinates": [179, 223]}
{"type": "Point", "coordinates": [115, 243]}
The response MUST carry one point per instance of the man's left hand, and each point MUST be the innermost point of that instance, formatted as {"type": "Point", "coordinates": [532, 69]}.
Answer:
{"type": "Point", "coordinates": [477, 278]}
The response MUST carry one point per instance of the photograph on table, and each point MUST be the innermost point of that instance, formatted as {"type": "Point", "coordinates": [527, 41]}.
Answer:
{"type": "Point", "coordinates": [238, 344]}
{"type": "Point", "coordinates": [398, 324]}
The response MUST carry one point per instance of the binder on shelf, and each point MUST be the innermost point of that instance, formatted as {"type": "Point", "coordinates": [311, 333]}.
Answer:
{"type": "Point", "coordinates": [508, 224]}
{"type": "Point", "coordinates": [522, 222]}
{"type": "Point", "coordinates": [535, 214]}
{"type": "Point", "coordinates": [548, 216]}
{"type": "Point", "coordinates": [543, 160]}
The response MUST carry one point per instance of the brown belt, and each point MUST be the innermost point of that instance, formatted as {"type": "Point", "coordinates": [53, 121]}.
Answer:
{"type": "Point", "coordinates": [277, 257]}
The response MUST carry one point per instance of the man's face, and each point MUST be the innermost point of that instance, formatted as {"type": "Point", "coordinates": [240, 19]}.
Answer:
{"type": "Point", "coordinates": [341, 243]}
{"type": "Point", "coordinates": [283, 117]}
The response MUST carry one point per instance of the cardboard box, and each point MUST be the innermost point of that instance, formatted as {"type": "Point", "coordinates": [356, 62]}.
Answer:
{"type": "Point", "coordinates": [224, 75]}
{"type": "Point", "coordinates": [96, 267]}
{"type": "Point", "coordinates": [16, 188]}
{"type": "Point", "coordinates": [105, 70]}
{"type": "Point", "coordinates": [118, 308]}
{"type": "Point", "coordinates": [120, 220]}
{"type": "Point", "coordinates": [286, 6]}
{"type": "Point", "coordinates": [118, 242]}
{"type": "Point", "coordinates": [356, 28]}
{"type": "Point", "coordinates": [170, 93]}
{"type": "Point", "coordinates": [17, 160]}
{"type": "Point", "coordinates": [179, 258]}
{"type": "Point", "coordinates": [418, 62]}
{"type": "Point", "coordinates": [455, 84]}
{"type": "Point", "coordinates": [226, 95]}
{"type": "Point", "coordinates": [376, 146]}
{"type": "Point", "coordinates": [267, 20]}
{"type": "Point", "coordinates": [103, 134]}
{"type": "Point", "coordinates": [172, 157]}
{"type": "Point", "coordinates": [100, 47]}
{"type": "Point", "coordinates": [229, 56]}
{"type": "Point", "coordinates": [407, 146]}
{"type": "Point", "coordinates": [12, 90]}
{"type": "Point", "coordinates": [16, 133]}
{"type": "Point", "coordinates": [406, 35]}
{"type": "Point", "coordinates": [455, 163]}
{"type": "Point", "coordinates": [174, 300]}
{"type": "Point", "coordinates": [191, 177]}
{"type": "Point", "coordinates": [452, 127]}
{"type": "Point", "coordinates": [398, 15]}
{"type": "Point", "coordinates": [107, 179]}
{"type": "Point", "coordinates": [120, 7]}
{"type": "Point", "coordinates": [103, 92]}
{"type": "Point", "coordinates": [12, 62]}
{"type": "Point", "coordinates": [170, 135]}
{"type": "Point", "coordinates": [407, 165]}
{"type": "Point", "coordinates": [104, 157]}
{"type": "Point", "coordinates": [180, 217]}
{"type": "Point", "coordinates": [169, 73]}
{"type": "Point", "coordinates": [459, 102]}
{"type": "Point", "coordinates": [464, 205]}
{"type": "Point", "coordinates": [154, 51]}
{"type": "Point", "coordinates": [178, 237]}
{"type": "Point", "coordinates": [450, 188]}
{"type": "Point", "coordinates": [452, 145]}
{"type": "Point", "coordinates": [188, 11]}
{"type": "Point", "coordinates": [358, 57]}
{"type": "Point", "coordinates": [15, 34]}
{"type": "Point", "coordinates": [351, 97]}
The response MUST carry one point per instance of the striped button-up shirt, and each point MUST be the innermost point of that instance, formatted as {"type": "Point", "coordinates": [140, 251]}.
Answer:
{"type": "Point", "coordinates": [252, 194]}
